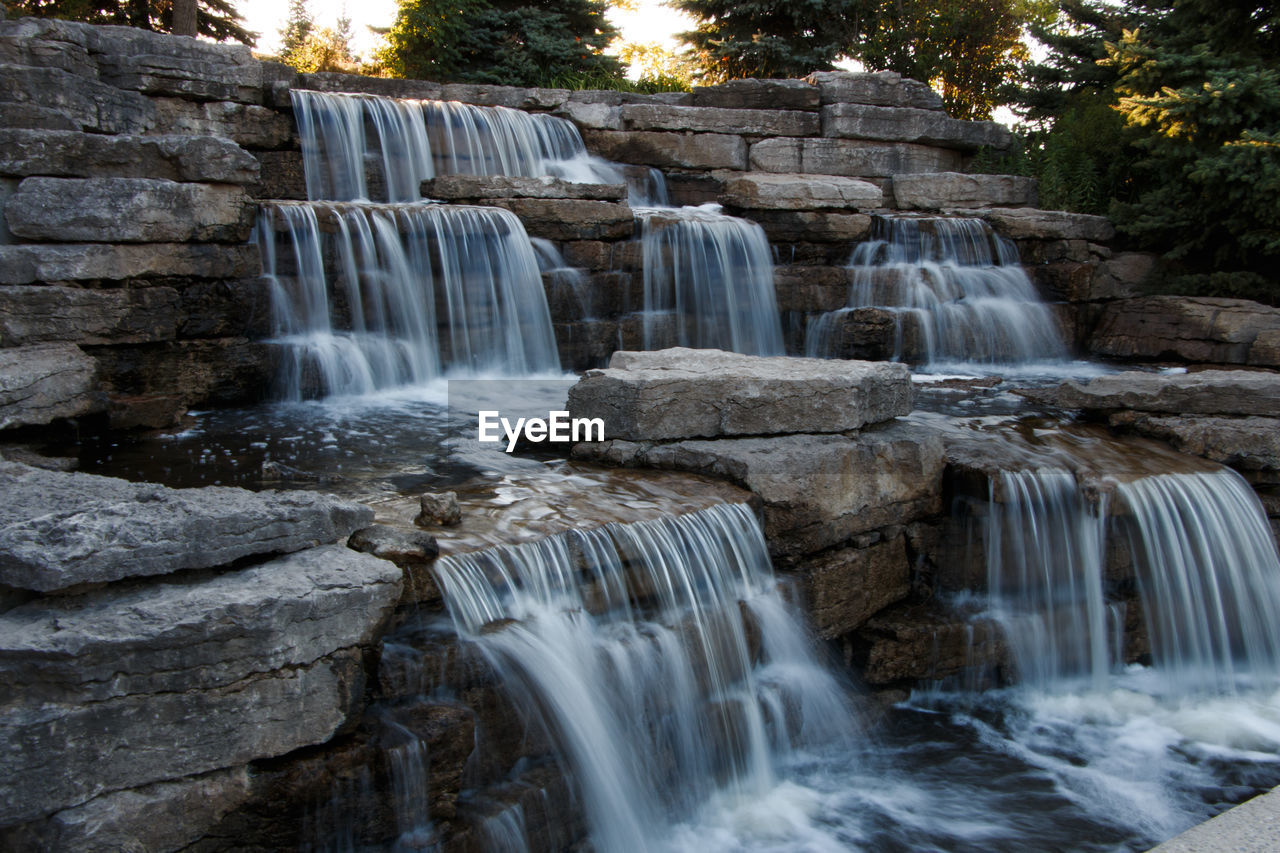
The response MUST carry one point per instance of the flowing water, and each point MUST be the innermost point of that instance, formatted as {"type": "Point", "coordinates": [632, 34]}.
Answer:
{"type": "Point", "coordinates": [957, 293]}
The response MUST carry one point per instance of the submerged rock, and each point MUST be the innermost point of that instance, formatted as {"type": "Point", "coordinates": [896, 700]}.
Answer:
{"type": "Point", "coordinates": [439, 508]}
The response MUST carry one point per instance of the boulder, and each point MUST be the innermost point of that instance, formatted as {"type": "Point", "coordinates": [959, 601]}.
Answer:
{"type": "Point", "coordinates": [89, 104]}
{"type": "Point", "coordinates": [592, 116]}
{"type": "Point", "coordinates": [943, 190]}
{"type": "Point", "coordinates": [85, 155]}
{"type": "Point", "coordinates": [817, 491]}
{"type": "Point", "coordinates": [1187, 328]}
{"type": "Point", "coordinates": [674, 150]}
{"type": "Point", "coordinates": [850, 157]}
{"type": "Point", "coordinates": [399, 545]}
{"type": "Point", "coordinates": [133, 684]}
{"type": "Point", "coordinates": [780, 191]}
{"type": "Point", "coordinates": [438, 508]}
{"type": "Point", "coordinates": [1209, 392]}
{"type": "Point", "coordinates": [773, 122]}
{"type": "Point", "coordinates": [907, 124]}
{"type": "Point", "coordinates": [59, 529]}
{"type": "Point", "coordinates": [159, 64]}
{"type": "Point", "coordinates": [687, 393]}
{"type": "Point", "coordinates": [846, 587]}
{"type": "Point", "coordinates": [31, 315]}
{"type": "Point", "coordinates": [245, 124]}
{"type": "Point", "coordinates": [476, 187]}
{"type": "Point", "coordinates": [882, 88]}
{"type": "Point", "coordinates": [40, 262]}
{"type": "Point", "coordinates": [1025, 223]}
{"type": "Point", "coordinates": [570, 219]}
{"type": "Point", "coordinates": [752, 94]}
{"type": "Point", "coordinates": [44, 382]}
{"type": "Point", "coordinates": [1117, 277]}
{"type": "Point", "coordinates": [128, 210]}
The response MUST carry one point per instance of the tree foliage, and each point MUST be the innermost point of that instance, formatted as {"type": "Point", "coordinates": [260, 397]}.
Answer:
{"type": "Point", "coordinates": [499, 41]}
{"type": "Point", "coordinates": [310, 49]}
{"type": "Point", "coordinates": [217, 19]}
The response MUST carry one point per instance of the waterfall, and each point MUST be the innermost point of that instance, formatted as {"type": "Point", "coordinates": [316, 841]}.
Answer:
{"type": "Point", "coordinates": [658, 656]}
{"type": "Point", "coordinates": [1205, 561]}
{"type": "Point", "coordinates": [708, 282]}
{"type": "Point", "coordinates": [957, 292]}
{"type": "Point", "coordinates": [380, 296]}
{"type": "Point", "coordinates": [414, 140]}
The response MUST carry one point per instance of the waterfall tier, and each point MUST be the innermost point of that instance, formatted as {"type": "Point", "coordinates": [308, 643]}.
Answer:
{"type": "Point", "coordinates": [658, 657]}
{"type": "Point", "coordinates": [957, 292]}
{"type": "Point", "coordinates": [708, 283]}
{"type": "Point", "coordinates": [380, 296]}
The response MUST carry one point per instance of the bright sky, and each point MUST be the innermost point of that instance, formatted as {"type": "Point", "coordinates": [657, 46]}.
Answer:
{"type": "Point", "coordinates": [650, 22]}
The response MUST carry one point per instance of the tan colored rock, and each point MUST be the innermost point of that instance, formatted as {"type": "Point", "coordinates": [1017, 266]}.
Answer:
{"type": "Point", "coordinates": [1265, 351]}
{"type": "Point", "coordinates": [943, 190]}
{"type": "Point", "coordinates": [814, 226]}
{"type": "Point", "coordinates": [476, 187]}
{"type": "Point", "coordinates": [570, 219]}
{"type": "Point", "coordinates": [756, 122]}
{"type": "Point", "coordinates": [850, 157]}
{"type": "Point", "coordinates": [1195, 329]}
{"type": "Point", "coordinates": [676, 150]}
{"type": "Point", "coordinates": [769, 190]}
{"type": "Point", "coordinates": [916, 643]}
{"type": "Point", "coordinates": [1027, 223]}
{"type": "Point", "coordinates": [845, 588]}
{"type": "Point", "coordinates": [810, 289]}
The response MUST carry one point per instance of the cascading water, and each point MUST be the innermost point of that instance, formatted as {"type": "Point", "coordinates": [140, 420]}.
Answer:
{"type": "Point", "coordinates": [957, 292]}
{"type": "Point", "coordinates": [708, 282]}
{"type": "Point", "coordinates": [397, 294]}
{"type": "Point", "coordinates": [660, 659]}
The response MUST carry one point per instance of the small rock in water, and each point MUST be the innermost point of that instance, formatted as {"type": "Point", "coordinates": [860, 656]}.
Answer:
{"type": "Point", "coordinates": [439, 508]}
{"type": "Point", "coordinates": [400, 546]}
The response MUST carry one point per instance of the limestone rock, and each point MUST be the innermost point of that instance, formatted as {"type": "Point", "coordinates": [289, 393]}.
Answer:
{"type": "Point", "coordinates": [438, 508]}
{"type": "Point", "coordinates": [907, 124]}
{"type": "Point", "coordinates": [882, 88]}
{"type": "Point", "coordinates": [686, 393]}
{"type": "Point", "coordinates": [245, 124]}
{"type": "Point", "coordinates": [90, 104]}
{"type": "Point", "coordinates": [44, 382]}
{"type": "Point", "coordinates": [809, 289]}
{"type": "Point", "coordinates": [752, 94]}
{"type": "Point", "coordinates": [813, 226]}
{"type": "Point", "coordinates": [781, 191]}
{"type": "Point", "coordinates": [476, 187]}
{"type": "Point", "coordinates": [1026, 223]}
{"type": "Point", "coordinates": [31, 315]}
{"type": "Point", "coordinates": [1244, 443]}
{"type": "Point", "coordinates": [159, 64]}
{"type": "Point", "coordinates": [1265, 350]}
{"type": "Point", "coordinates": [592, 116]}
{"type": "Point", "coordinates": [224, 371]}
{"type": "Point", "coordinates": [850, 157]}
{"type": "Point", "coordinates": [818, 491]}
{"type": "Point", "coordinates": [845, 588]}
{"type": "Point", "coordinates": [1195, 329]}
{"type": "Point", "coordinates": [34, 117]}
{"type": "Point", "coordinates": [84, 155]}
{"type": "Point", "coordinates": [942, 190]}
{"type": "Point", "coordinates": [1209, 392]}
{"type": "Point", "coordinates": [1120, 276]}
{"type": "Point", "coordinates": [914, 643]}
{"type": "Point", "coordinates": [570, 219]}
{"type": "Point", "coordinates": [129, 210]}
{"type": "Point", "coordinates": [772, 122]}
{"type": "Point", "coordinates": [27, 264]}
{"type": "Point", "coordinates": [675, 150]}
{"type": "Point", "coordinates": [59, 530]}
{"type": "Point", "coordinates": [397, 544]}
{"type": "Point", "coordinates": [139, 683]}
{"type": "Point", "coordinates": [389, 87]}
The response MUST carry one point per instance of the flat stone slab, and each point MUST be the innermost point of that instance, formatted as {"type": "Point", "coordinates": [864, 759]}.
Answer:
{"type": "Point", "coordinates": [780, 191]}
{"type": "Point", "coordinates": [1026, 223]}
{"type": "Point", "coordinates": [943, 190]}
{"type": "Point", "coordinates": [670, 150]}
{"type": "Point", "coordinates": [60, 529]}
{"type": "Point", "coordinates": [1244, 443]}
{"type": "Point", "coordinates": [1251, 827]}
{"type": "Point", "coordinates": [44, 382]}
{"type": "Point", "coordinates": [1188, 328]}
{"type": "Point", "coordinates": [1209, 392]}
{"type": "Point", "coordinates": [854, 158]}
{"type": "Point", "coordinates": [30, 315]}
{"type": "Point", "coordinates": [87, 155]}
{"type": "Point", "coordinates": [571, 219]}
{"type": "Point", "coordinates": [137, 683]}
{"type": "Point", "coordinates": [476, 187]}
{"type": "Point", "coordinates": [752, 94]}
{"type": "Point", "coordinates": [38, 262]}
{"type": "Point", "coordinates": [908, 124]}
{"type": "Point", "coordinates": [754, 122]}
{"type": "Point", "coordinates": [880, 88]}
{"type": "Point", "coordinates": [690, 393]}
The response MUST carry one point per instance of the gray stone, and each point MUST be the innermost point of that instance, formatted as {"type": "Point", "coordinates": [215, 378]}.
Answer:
{"type": "Point", "coordinates": [687, 393]}
{"type": "Point", "coordinates": [675, 150]}
{"type": "Point", "coordinates": [47, 43]}
{"type": "Point", "coordinates": [26, 264]}
{"type": "Point", "coordinates": [58, 530]}
{"type": "Point", "coordinates": [882, 88]}
{"type": "Point", "coordinates": [845, 588]}
{"type": "Point", "coordinates": [1025, 223]}
{"type": "Point", "coordinates": [570, 219]}
{"type": "Point", "coordinates": [515, 97]}
{"type": "Point", "coordinates": [399, 545]}
{"type": "Point", "coordinates": [809, 289]}
{"type": "Point", "coordinates": [850, 157]}
{"type": "Point", "coordinates": [915, 643]}
{"type": "Point", "coordinates": [30, 315]}
{"type": "Point", "coordinates": [388, 87]}
{"type": "Point", "coordinates": [475, 187]}
{"type": "Point", "coordinates": [1208, 392]}
{"type": "Point", "coordinates": [438, 508]}
{"type": "Point", "coordinates": [592, 116]}
{"type": "Point", "coordinates": [752, 94]}
{"type": "Point", "coordinates": [34, 118]}
{"type": "Point", "coordinates": [1252, 827]}
{"type": "Point", "coordinates": [942, 190]}
{"type": "Point", "coordinates": [1244, 443]}
{"type": "Point", "coordinates": [813, 226]}
{"type": "Point", "coordinates": [1265, 350]}
{"type": "Point", "coordinates": [161, 64]}
{"type": "Point", "coordinates": [134, 684]}
{"type": "Point", "coordinates": [245, 124]}
{"type": "Point", "coordinates": [1188, 328]}
{"type": "Point", "coordinates": [90, 104]}
{"type": "Point", "coordinates": [817, 491]}
{"type": "Point", "coordinates": [906, 124]}
{"type": "Point", "coordinates": [85, 155]}
{"type": "Point", "coordinates": [44, 382]}
{"type": "Point", "coordinates": [782, 191]}
{"type": "Point", "coordinates": [718, 120]}
{"type": "Point", "coordinates": [158, 817]}
{"type": "Point", "coordinates": [129, 210]}
{"type": "Point", "coordinates": [1120, 276]}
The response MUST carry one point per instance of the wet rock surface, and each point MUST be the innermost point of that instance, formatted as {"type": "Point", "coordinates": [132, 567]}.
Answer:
{"type": "Point", "coordinates": [1209, 392]}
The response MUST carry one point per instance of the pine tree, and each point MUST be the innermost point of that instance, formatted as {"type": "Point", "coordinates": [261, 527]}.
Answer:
{"type": "Point", "coordinates": [216, 19]}
{"type": "Point", "coordinates": [499, 41]}
{"type": "Point", "coordinates": [296, 29]}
